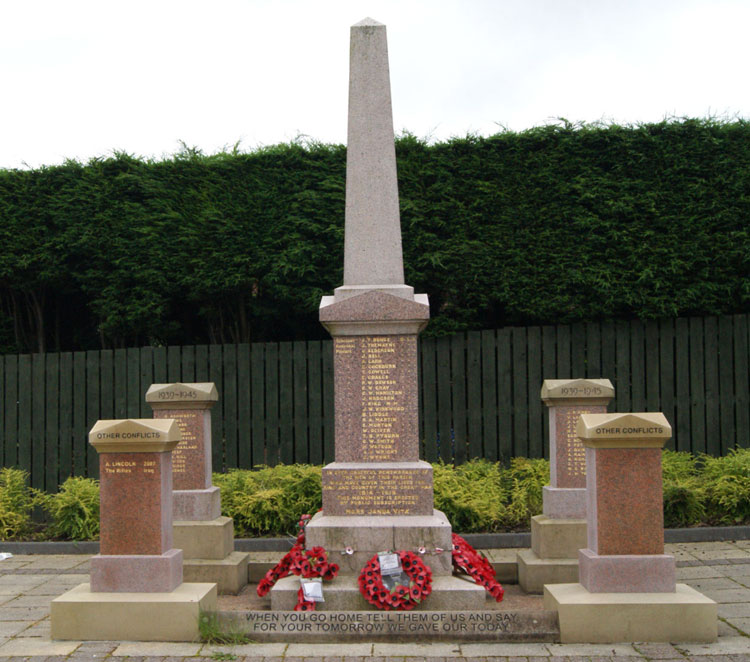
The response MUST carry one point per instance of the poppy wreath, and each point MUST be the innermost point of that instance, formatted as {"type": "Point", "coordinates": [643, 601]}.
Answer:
{"type": "Point", "coordinates": [467, 559]}
{"type": "Point", "coordinates": [400, 598]}
{"type": "Point", "coordinates": [303, 563]}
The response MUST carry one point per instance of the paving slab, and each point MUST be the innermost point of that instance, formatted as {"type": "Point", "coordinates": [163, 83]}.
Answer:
{"type": "Point", "coordinates": [715, 584]}
{"type": "Point", "coordinates": [509, 650]}
{"type": "Point", "coordinates": [658, 651]}
{"type": "Point", "coordinates": [32, 614]}
{"type": "Point", "coordinates": [437, 649]}
{"type": "Point", "coordinates": [12, 628]}
{"type": "Point", "coordinates": [23, 580]}
{"type": "Point", "coordinates": [28, 601]}
{"type": "Point", "coordinates": [247, 650]}
{"type": "Point", "coordinates": [27, 647]}
{"type": "Point", "coordinates": [325, 650]}
{"type": "Point", "coordinates": [55, 561]}
{"type": "Point", "coordinates": [724, 646]}
{"type": "Point", "coordinates": [735, 610]}
{"type": "Point", "coordinates": [700, 572]}
{"type": "Point", "coordinates": [39, 629]}
{"type": "Point", "coordinates": [619, 650]}
{"type": "Point", "coordinates": [156, 648]}
{"type": "Point", "coordinates": [729, 595]}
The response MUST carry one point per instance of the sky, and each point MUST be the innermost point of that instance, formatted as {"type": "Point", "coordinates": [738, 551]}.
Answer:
{"type": "Point", "coordinates": [86, 78]}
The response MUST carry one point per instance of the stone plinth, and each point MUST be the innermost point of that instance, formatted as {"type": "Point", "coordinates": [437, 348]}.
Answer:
{"type": "Point", "coordinates": [625, 511]}
{"type": "Point", "coordinates": [566, 400]}
{"type": "Point", "coordinates": [136, 591]}
{"type": "Point", "coordinates": [84, 615]}
{"type": "Point", "coordinates": [558, 534]}
{"type": "Point", "coordinates": [190, 405]}
{"type": "Point", "coordinates": [627, 589]}
{"type": "Point", "coordinates": [135, 468]}
{"type": "Point", "coordinates": [205, 537]}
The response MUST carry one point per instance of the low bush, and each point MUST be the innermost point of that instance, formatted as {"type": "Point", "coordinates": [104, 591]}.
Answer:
{"type": "Point", "coordinates": [476, 496]}
{"type": "Point", "coordinates": [16, 502]}
{"type": "Point", "coordinates": [74, 510]}
{"type": "Point", "coordinates": [269, 500]}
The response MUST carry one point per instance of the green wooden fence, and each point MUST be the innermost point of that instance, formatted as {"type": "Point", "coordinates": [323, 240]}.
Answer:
{"type": "Point", "coordinates": [479, 392]}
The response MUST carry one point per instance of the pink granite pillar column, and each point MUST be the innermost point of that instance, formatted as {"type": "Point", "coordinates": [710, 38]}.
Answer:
{"type": "Point", "coordinates": [625, 551]}
{"type": "Point", "coordinates": [567, 399]}
{"type": "Point", "coordinates": [135, 467]}
{"type": "Point", "coordinates": [195, 498]}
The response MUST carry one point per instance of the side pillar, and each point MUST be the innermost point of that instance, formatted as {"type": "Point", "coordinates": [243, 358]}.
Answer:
{"type": "Point", "coordinates": [627, 589]}
{"type": "Point", "coordinates": [136, 590]}
{"type": "Point", "coordinates": [560, 531]}
{"type": "Point", "coordinates": [204, 535]}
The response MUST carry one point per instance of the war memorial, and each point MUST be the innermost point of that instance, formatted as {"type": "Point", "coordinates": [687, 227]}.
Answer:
{"type": "Point", "coordinates": [379, 562]}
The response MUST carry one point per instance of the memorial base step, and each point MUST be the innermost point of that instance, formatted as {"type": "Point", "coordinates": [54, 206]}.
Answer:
{"type": "Point", "coordinates": [685, 615]}
{"type": "Point", "coordinates": [83, 615]}
{"type": "Point", "coordinates": [342, 594]}
{"type": "Point", "coordinates": [534, 573]}
{"type": "Point", "coordinates": [208, 539]}
{"type": "Point", "coordinates": [229, 574]}
{"type": "Point", "coordinates": [364, 536]}
{"type": "Point", "coordinates": [557, 538]}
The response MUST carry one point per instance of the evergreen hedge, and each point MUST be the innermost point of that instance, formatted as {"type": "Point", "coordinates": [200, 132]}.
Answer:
{"type": "Point", "coordinates": [556, 224]}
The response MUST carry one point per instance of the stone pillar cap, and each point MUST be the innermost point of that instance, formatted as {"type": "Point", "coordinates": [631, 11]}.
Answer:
{"type": "Point", "coordinates": [177, 395]}
{"type": "Point", "coordinates": [135, 435]}
{"type": "Point", "coordinates": [641, 430]}
{"type": "Point", "coordinates": [572, 391]}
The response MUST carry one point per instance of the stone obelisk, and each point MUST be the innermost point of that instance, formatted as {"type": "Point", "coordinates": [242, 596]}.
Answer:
{"type": "Point", "coordinates": [377, 495]}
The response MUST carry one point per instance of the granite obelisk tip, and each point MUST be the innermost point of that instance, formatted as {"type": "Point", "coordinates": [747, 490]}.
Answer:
{"type": "Point", "coordinates": [373, 258]}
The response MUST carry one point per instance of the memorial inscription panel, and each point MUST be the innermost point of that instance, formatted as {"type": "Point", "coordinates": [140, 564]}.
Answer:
{"type": "Point", "coordinates": [189, 459]}
{"type": "Point", "coordinates": [377, 491]}
{"type": "Point", "coordinates": [376, 401]}
{"type": "Point", "coordinates": [129, 489]}
{"type": "Point", "coordinates": [392, 626]}
{"type": "Point", "coordinates": [570, 464]}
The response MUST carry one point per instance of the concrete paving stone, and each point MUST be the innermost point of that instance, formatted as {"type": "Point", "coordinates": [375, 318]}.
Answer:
{"type": "Point", "coordinates": [739, 572]}
{"type": "Point", "coordinates": [725, 630]}
{"type": "Point", "coordinates": [610, 650]}
{"type": "Point", "coordinates": [23, 614]}
{"type": "Point", "coordinates": [39, 629]}
{"type": "Point", "coordinates": [736, 610]}
{"type": "Point", "coordinates": [658, 651]}
{"type": "Point", "coordinates": [740, 623]}
{"type": "Point", "coordinates": [717, 554]}
{"type": "Point", "coordinates": [724, 646]}
{"type": "Point", "coordinates": [729, 595]}
{"type": "Point", "coordinates": [56, 561]}
{"type": "Point", "coordinates": [28, 601]}
{"type": "Point", "coordinates": [437, 649]}
{"type": "Point", "coordinates": [506, 650]}
{"type": "Point", "coordinates": [27, 647]}
{"type": "Point", "coordinates": [714, 584]}
{"type": "Point", "coordinates": [324, 650]}
{"type": "Point", "coordinates": [699, 572]}
{"type": "Point", "coordinates": [12, 628]}
{"type": "Point", "coordinates": [162, 648]}
{"type": "Point", "coordinates": [254, 650]}
{"type": "Point", "coordinates": [23, 580]}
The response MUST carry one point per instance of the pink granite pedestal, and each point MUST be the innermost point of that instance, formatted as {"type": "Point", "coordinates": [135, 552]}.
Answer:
{"type": "Point", "coordinates": [560, 531]}
{"type": "Point", "coordinates": [566, 400]}
{"type": "Point", "coordinates": [205, 536]}
{"type": "Point", "coordinates": [627, 589]}
{"type": "Point", "coordinates": [135, 468]}
{"type": "Point", "coordinates": [377, 495]}
{"type": "Point", "coordinates": [625, 551]}
{"type": "Point", "coordinates": [195, 498]}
